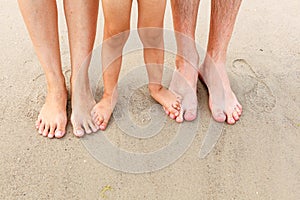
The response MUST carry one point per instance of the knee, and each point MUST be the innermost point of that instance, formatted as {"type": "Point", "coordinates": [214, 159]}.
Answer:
{"type": "Point", "coordinates": [116, 36]}
{"type": "Point", "coordinates": [151, 37]}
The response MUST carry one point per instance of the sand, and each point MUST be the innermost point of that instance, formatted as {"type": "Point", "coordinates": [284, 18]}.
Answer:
{"type": "Point", "coordinates": [258, 158]}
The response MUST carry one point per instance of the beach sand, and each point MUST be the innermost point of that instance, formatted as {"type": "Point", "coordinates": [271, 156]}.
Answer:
{"type": "Point", "coordinates": [258, 158]}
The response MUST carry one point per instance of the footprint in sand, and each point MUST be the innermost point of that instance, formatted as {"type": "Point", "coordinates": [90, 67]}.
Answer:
{"type": "Point", "coordinates": [258, 94]}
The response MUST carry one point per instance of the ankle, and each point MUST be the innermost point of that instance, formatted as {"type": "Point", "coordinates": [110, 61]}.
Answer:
{"type": "Point", "coordinates": [154, 88]}
{"type": "Point", "coordinates": [181, 62]}
{"type": "Point", "coordinates": [57, 85]}
{"type": "Point", "coordinates": [110, 95]}
{"type": "Point", "coordinates": [216, 57]}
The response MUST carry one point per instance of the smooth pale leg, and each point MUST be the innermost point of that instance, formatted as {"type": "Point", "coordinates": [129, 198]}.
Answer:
{"type": "Point", "coordinates": [116, 32]}
{"type": "Point", "coordinates": [41, 20]}
{"type": "Point", "coordinates": [150, 28]}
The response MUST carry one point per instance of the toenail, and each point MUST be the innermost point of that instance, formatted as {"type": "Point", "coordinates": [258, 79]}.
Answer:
{"type": "Point", "coordinates": [79, 133]}
{"type": "Point", "coordinates": [58, 133]}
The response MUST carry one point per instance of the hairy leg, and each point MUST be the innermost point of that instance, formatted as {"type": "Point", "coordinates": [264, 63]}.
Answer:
{"type": "Point", "coordinates": [116, 32]}
{"type": "Point", "coordinates": [150, 28]}
{"type": "Point", "coordinates": [184, 81]}
{"type": "Point", "coordinates": [81, 19]}
{"type": "Point", "coordinates": [41, 20]}
{"type": "Point", "coordinates": [223, 102]}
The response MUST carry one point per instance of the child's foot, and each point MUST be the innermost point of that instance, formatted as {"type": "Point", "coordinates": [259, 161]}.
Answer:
{"type": "Point", "coordinates": [222, 101]}
{"type": "Point", "coordinates": [82, 104]}
{"type": "Point", "coordinates": [102, 111]}
{"type": "Point", "coordinates": [52, 119]}
{"type": "Point", "coordinates": [169, 101]}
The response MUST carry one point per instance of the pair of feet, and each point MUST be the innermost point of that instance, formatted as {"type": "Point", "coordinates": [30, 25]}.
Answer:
{"type": "Point", "coordinates": [52, 119]}
{"type": "Point", "coordinates": [223, 103]}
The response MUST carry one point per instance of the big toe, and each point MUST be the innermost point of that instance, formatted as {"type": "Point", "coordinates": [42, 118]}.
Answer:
{"type": "Point", "coordinates": [79, 132]}
{"type": "Point", "coordinates": [219, 115]}
{"type": "Point", "coordinates": [190, 114]}
{"type": "Point", "coordinates": [60, 129]}
{"type": "Point", "coordinates": [77, 129]}
{"type": "Point", "coordinates": [103, 125]}
{"type": "Point", "coordinates": [59, 133]}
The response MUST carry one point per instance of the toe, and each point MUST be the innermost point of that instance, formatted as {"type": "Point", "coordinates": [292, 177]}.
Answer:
{"type": "Point", "coordinates": [99, 120]}
{"type": "Point", "coordinates": [51, 132]}
{"type": "Point", "coordinates": [218, 115]}
{"type": "Point", "coordinates": [238, 111]}
{"type": "Point", "coordinates": [38, 123]}
{"type": "Point", "coordinates": [93, 126]}
{"type": "Point", "coordinates": [179, 118]}
{"type": "Point", "coordinates": [173, 111]}
{"type": "Point", "coordinates": [77, 129]}
{"type": "Point", "coordinates": [235, 115]}
{"type": "Point", "coordinates": [176, 105]}
{"type": "Point", "coordinates": [166, 111]}
{"type": "Point", "coordinates": [60, 130]}
{"type": "Point", "coordinates": [103, 125]}
{"type": "Point", "coordinates": [79, 132]}
{"type": "Point", "coordinates": [95, 117]}
{"type": "Point", "coordinates": [190, 115]}
{"type": "Point", "coordinates": [172, 116]}
{"type": "Point", "coordinates": [87, 128]}
{"type": "Point", "coordinates": [46, 130]}
{"type": "Point", "coordinates": [41, 128]}
{"type": "Point", "coordinates": [240, 107]}
{"type": "Point", "coordinates": [94, 114]}
{"type": "Point", "coordinates": [230, 119]}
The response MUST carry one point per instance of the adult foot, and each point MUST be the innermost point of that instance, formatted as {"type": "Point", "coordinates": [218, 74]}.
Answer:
{"type": "Point", "coordinates": [184, 83]}
{"type": "Point", "coordinates": [222, 100]}
{"type": "Point", "coordinates": [102, 111]}
{"type": "Point", "coordinates": [82, 104]}
{"type": "Point", "coordinates": [52, 118]}
{"type": "Point", "coordinates": [166, 98]}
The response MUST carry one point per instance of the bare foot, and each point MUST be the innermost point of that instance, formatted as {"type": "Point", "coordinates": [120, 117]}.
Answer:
{"type": "Point", "coordinates": [184, 83]}
{"type": "Point", "coordinates": [222, 101]}
{"type": "Point", "coordinates": [102, 111]}
{"type": "Point", "coordinates": [52, 119]}
{"type": "Point", "coordinates": [166, 98]}
{"type": "Point", "coordinates": [82, 104]}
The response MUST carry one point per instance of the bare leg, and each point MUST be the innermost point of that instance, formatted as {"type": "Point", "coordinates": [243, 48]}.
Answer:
{"type": "Point", "coordinates": [223, 102]}
{"type": "Point", "coordinates": [116, 32]}
{"type": "Point", "coordinates": [81, 19]}
{"type": "Point", "coordinates": [184, 81]}
{"type": "Point", "coordinates": [41, 20]}
{"type": "Point", "coordinates": [150, 24]}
